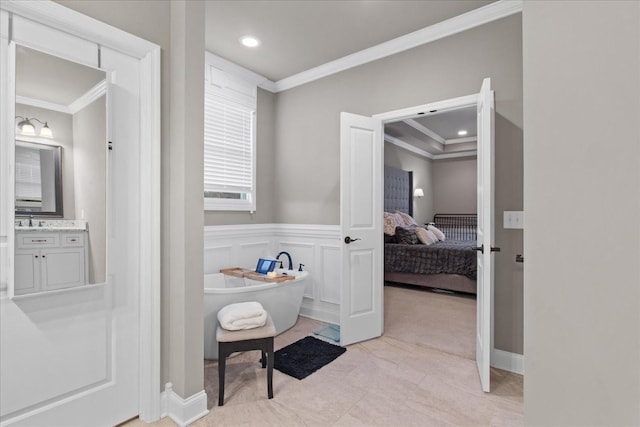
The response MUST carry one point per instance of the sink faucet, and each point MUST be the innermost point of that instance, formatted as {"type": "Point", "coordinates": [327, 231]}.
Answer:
{"type": "Point", "coordinates": [288, 257]}
{"type": "Point", "coordinates": [30, 220]}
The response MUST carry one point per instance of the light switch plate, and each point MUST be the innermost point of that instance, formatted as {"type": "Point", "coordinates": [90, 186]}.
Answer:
{"type": "Point", "coordinates": [513, 219]}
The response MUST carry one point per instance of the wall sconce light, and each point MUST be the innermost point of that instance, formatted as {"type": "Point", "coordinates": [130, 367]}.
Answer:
{"type": "Point", "coordinates": [418, 192]}
{"type": "Point", "coordinates": [26, 127]}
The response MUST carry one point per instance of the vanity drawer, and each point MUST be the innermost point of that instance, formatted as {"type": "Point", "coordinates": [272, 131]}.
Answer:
{"type": "Point", "coordinates": [29, 240]}
{"type": "Point", "coordinates": [72, 240]}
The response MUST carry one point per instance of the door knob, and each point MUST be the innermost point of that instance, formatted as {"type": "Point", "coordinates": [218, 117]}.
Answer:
{"type": "Point", "coordinates": [481, 249]}
{"type": "Point", "coordinates": [348, 239]}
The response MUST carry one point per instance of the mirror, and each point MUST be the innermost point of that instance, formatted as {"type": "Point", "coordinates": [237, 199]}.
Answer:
{"type": "Point", "coordinates": [61, 177]}
{"type": "Point", "coordinates": [38, 179]}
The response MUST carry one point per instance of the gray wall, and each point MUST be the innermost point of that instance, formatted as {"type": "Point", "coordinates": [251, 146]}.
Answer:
{"type": "Point", "coordinates": [61, 126]}
{"type": "Point", "coordinates": [582, 203]}
{"type": "Point", "coordinates": [89, 142]}
{"type": "Point", "coordinates": [307, 135]}
{"type": "Point", "coordinates": [454, 185]}
{"type": "Point", "coordinates": [422, 178]}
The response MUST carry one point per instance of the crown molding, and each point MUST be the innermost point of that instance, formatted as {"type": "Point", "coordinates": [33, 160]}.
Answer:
{"type": "Point", "coordinates": [460, 140]}
{"type": "Point", "coordinates": [406, 146]}
{"type": "Point", "coordinates": [211, 59]}
{"type": "Point", "coordinates": [88, 97]}
{"type": "Point", "coordinates": [24, 100]}
{"type": "Point", "coordinates": [469, 153]}
{"type": "Point", "coordinates": [489, 13]}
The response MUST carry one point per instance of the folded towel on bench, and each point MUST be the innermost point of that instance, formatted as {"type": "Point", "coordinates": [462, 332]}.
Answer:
{"type": "Point", "coordinates": [243, 315]}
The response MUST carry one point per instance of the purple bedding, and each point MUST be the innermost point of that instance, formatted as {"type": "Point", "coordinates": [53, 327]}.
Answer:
{"type": "Point", "coordinates": [448, 257]}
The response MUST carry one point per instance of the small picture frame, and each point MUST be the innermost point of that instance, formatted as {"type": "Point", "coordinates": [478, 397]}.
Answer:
{"type": "Point", "coordinates": [265, 265]}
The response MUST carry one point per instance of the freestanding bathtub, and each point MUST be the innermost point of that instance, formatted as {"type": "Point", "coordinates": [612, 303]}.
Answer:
{"type": "Point", "coordinates": [282, 301]}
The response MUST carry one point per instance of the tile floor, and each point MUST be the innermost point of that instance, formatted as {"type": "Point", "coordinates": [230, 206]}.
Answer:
{"type": "Point", "coordinates": [380, 382]}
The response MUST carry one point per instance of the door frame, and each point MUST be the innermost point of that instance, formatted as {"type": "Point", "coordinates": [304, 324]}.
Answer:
{"type": "Point", "coordinates": [56, 16]}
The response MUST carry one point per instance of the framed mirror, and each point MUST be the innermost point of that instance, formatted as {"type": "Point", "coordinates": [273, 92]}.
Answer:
{"type": "Point", "coordinates": [38, 179]}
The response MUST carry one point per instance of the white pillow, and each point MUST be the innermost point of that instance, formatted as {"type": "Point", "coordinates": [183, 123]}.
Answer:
{"type": "Point", "coordinates": [425, 236]}
{"type": "Point", "coordinates": [439, 234]}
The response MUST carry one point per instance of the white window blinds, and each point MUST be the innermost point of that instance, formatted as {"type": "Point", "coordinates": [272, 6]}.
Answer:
{"type": "Point", "coordinates": [229, 142]}
{"type": "Point", "coordinates": [28, 176]}
{"type": "Point", "coordinates": [228, 146]}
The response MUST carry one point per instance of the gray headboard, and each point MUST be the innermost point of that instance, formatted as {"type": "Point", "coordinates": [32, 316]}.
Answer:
{"type": "Point", "coordinates": [398, 190]}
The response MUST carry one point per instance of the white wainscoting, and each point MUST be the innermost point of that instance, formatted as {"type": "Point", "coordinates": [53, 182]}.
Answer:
{"type": "Point", "coordinates": [315, 246]}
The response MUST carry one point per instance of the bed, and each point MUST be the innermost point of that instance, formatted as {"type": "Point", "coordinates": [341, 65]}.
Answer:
{"type": "Point", "coordinates": [449, 264]}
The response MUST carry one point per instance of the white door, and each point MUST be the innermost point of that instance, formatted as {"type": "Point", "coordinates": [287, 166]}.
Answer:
{"type": "Point", "coordinates": [361, 166]}
{"type": "Point", "coordinates": [484, 321]}
{"type": "Point", "coordinates": [71, 357]}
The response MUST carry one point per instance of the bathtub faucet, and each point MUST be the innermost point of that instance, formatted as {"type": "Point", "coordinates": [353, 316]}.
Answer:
{"type": "Point", "coordinates": [288, 257]}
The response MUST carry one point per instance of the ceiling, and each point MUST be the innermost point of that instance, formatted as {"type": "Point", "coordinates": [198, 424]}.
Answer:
{"type": "Point", "coordinates": [297, 36]}
{"type": "Point", "coordinates": [51, 79]}
{"type": "Point", "coordinates": [437, 134]}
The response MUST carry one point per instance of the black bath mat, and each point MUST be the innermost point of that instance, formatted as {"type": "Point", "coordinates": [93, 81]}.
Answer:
{"type": "Point", "coordinates": [304, 357]}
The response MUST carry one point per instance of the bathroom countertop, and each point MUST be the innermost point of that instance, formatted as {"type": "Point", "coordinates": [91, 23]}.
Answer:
{"type": "Point", "coordinates": [49, 228]}
{"type": "Point", "coordinates": [52, 225]}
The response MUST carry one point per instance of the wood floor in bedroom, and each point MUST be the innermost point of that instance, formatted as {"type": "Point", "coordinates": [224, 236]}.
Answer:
{"type": "Point", "coordinates": [404, 378]}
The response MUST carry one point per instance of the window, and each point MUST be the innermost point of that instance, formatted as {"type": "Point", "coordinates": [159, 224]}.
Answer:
{"type": "Point", "coordinates": [229, 142]}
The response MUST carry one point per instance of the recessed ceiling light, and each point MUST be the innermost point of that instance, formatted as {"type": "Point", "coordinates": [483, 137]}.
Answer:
{"type": "Point", "coordinates": [249, 41]}
{"type": "Point", "coordinates": [462, 132]}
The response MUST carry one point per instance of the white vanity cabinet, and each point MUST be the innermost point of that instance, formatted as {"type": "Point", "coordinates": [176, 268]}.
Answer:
{"type": "Point", "coordinates": [46, 261]}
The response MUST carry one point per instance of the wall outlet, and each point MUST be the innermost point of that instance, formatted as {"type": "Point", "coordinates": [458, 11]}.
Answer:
{"type": "Point", "coordinates": [513, 219]}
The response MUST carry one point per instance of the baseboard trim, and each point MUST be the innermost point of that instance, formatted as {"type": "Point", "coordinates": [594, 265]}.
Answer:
{"type": "Point", "coordinates": [507, 361]}
{"type": "Point", "coordinates": [320, 313]}
{"type": "Point", "coordinates": [183, 411]}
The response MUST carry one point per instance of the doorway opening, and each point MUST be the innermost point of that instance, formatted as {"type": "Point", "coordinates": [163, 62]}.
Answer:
{"type": "Point", "coordinates": [437, 151]}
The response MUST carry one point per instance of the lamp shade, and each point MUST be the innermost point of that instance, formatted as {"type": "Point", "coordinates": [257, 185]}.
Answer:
{"type": "Point", "coordinates": [46, 131]}
{"type": "Point", "coordinates": [418, 192]}
{"type": "Point", "coordinates": [26, 127]}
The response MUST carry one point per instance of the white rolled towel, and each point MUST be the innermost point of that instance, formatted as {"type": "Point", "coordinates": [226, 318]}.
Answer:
{"type": "Point", "coordinates": [242, 315]}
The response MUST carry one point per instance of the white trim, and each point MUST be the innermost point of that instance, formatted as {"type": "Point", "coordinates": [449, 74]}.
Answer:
{"type": "Point", "coordinates": [425, 130]}
{"type": "Point", "coordinates": [461, 140]}
{"type": "Point", "coordinates": [237, 70]}
{"type": "Point", "coordinates": [428, 109]}
{"type": "Point", "coordinates": [323, 314]}
{"type": "Point", "coordinates": [183, 411]}
{"type": "Point", "coordinates": [32, 102]}
{"type": "Point", "coordinates": [468, 153]}
{"type": "Point", "coordinates": [88, 97]}
{"type": "Point", "coordinates": [57, 16]}
{"type": "Point", "coordinates": [483, 15]}
{"type": "Point", "coordinates": [149, 236]}
{"type": "Point", "coordinates": [406, 146]}
{"type": "Point", "coordinates": [215, 232]}
{"type": "Point", "coordinates": [512, 362]}
{"type": "Point", "coordinates": [83, 100]}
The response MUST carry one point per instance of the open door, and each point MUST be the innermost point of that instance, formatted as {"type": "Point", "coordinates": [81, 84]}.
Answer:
{"type": "Point", "coordinates": [484, 322]}
{"type": "Point", "coordinates": [361, 166]}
